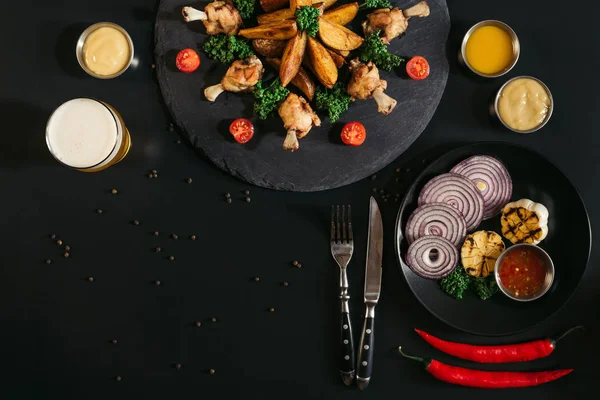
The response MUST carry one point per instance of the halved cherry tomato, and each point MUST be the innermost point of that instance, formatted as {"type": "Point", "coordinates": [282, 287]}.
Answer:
{"type": "Point", "coordinates": [242, 130]}
{"type": "Point", "coordinates": [187, 60]}
{"type": "Point", "coordinates": [353, 134]}
{"type": "Point", "coordinates": [417, 68]}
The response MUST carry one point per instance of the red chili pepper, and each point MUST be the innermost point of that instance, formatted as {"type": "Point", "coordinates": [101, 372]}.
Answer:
{"type": "Point", "coordinates": [486, 379]}
{"type": "Point", "coordinates": [496, 354]}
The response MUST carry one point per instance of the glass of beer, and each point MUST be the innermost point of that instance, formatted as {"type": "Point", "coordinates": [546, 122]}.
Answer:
{"type": "Point", "coordinates": [87, 135]}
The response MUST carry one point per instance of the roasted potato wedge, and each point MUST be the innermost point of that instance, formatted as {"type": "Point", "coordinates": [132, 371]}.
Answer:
{"type": "Point", "coordinates": [322, 63]}
{"type": "Point", "coordinates": [299, 3]}
{"type": "Point", "coordinates": [292, 58]}
{"type": "Point", "coordinates": [337, 36]}
{"type": "Point", "coordinates": [269, 47]}
{"type": "Point", "coordinates": [282, 30]}
{"type": "Point", "coordinates": [342, 15]}
{"type": "Point", "coordinates": [337, 59]}
{"type": "Point", "coordinates": [276, 16]}
{"type": "Point", "coordinates": [302, 80]}
{"type": "Point", "coordinates": [272, 5]}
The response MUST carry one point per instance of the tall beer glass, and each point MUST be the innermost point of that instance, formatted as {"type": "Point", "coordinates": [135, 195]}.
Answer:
{"type": "Point", "coordinates": [88, 135]}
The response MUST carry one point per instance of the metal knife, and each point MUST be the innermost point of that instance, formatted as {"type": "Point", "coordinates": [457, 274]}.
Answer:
{"type": "Point", "coordinates": [372, 289]}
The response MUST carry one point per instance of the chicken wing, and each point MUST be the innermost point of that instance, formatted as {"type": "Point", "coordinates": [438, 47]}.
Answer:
{"type": "Point", "coordinates": [365, 83]}
{"type": "Point", "coordinates": [393, 23]}
{"type": "Point", "coordinates": [298, 118]}
{"type": "Point", "coordinates": [240, 77]}
{"type": "Point", "coordinates": [218, 17]}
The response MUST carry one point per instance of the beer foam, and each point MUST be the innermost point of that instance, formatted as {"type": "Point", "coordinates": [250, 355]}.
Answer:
{"type": "Point", "coordinates": [81, 133]}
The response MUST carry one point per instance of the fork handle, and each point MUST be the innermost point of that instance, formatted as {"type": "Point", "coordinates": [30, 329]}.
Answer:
{"type": "Point", "coordinates": [347, 365]}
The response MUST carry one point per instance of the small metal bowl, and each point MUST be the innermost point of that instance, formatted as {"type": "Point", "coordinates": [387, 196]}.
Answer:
{"type": "Point", "coordinates": [496, 113]}
{"type": "Point", "coordinates": [549, 265]}
{"type": "Point", "coordinates": [83, 37]}
{"type": "Point", "coordinates": [515, 44]}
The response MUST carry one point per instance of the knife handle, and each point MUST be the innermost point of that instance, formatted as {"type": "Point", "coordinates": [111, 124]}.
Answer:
{"type": "Point", "coordinates": [366, 349]}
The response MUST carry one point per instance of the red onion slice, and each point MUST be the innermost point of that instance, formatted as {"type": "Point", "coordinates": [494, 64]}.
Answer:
{"type": "Point", "coordinates": [491, 178]}
{"type": "Point", "coordinates": [432, 257]}
{"type": "Point", "coordinates": [438, 219]}
{"type": "Point", "coordinates": [458, 192]}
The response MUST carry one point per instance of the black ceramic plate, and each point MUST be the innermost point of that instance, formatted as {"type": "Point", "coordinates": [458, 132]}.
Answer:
{"type": "Point", "coordinates": [568, 243]}
{"type": "Point", "coordinates": [322, 162]}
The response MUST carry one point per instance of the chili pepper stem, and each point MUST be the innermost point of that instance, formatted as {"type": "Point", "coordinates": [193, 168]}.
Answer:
{"type": "Point", "coordinates": [420, 359]}
{"type": "Point", "coordinates": [554, 341]}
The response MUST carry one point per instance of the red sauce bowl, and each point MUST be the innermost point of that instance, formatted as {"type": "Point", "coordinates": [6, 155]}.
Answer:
{"type": "Point", "coordinates": [524, 272]}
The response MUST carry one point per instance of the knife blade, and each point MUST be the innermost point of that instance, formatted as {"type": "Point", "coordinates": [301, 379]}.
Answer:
{"type": "Point", "coordinates": [373, 273]}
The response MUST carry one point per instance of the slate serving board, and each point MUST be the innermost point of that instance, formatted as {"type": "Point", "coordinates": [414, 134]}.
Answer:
{"type": "Point", "coordinates": [322, 162]}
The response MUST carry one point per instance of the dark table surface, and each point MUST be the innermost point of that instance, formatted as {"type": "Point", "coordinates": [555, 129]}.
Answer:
{"type": "Point", "coordinates": [57, 326]}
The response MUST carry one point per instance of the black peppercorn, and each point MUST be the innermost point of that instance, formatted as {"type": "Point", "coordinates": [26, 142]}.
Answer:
{"type": "Point", "coordinates": [174, 236]}
{"type": "Point", "coordinates": [193, 237]}
{"type": "Point", "coordinates": [246, 192]}
{"type": "Point", "coordinates": [114, 341]}
{"type": "Point", "coordinates": [156, 233]}
{"type": "Point", "coordinates": [189, 180]}
{"type": "Point", "coordinates": [198, 324]}
{"type": "Point", "coordinates": [299, 265]}
{"type": "Point", "coordinates": [171, 258]}
{"type": "Point", "coordinates": [373, 177]}
{"type": "Point", "coordinates": [118, 378]}
{"type": "Point", "coordinates": [59, 242]}
{"type": "Point", "coordinates": [136, 222]}
{"type": "Point", "coordinates": [155, 176]}
{"type": "Point", "coordinates": [53, 236]}
{"type": "Point", "coordinates": [150, 175]}
{"type": "Point", "coordinates": [295, 263]}
{"type": "Point", "coordinates": [374, 190]}
{"type": "Point", "coordinates": [91, 279]}
{"type": "Point", "coordinates": [271, 309]}
{"type": "Point", "coordinates": [66, 254]}
{"type": "Point", "coordinates": [177, 366]}
{"type": "Point", "coordinates": [286, 284]}
{"type": "Point", "coordinates": [248, 200]}
{"type": "Point", "coordinates": [229, 201]}
{"type": "Point", "coordinates": [178, 141]}
{"type": "Point", "coordinates": [397, 169]}
{"type": "Point", "coordinates": [99, 211]}
{"type": "Point", "coordinates": [114, 191]}
{"type": "Point", "coordinates": [48, 261]}
{"type": "Point", "coordinates": [157, 283]}
{"type": "Point", "coordinates": [158, 249]}
{"type": "Point", "coordinates": [67, 248]}
{"type": "Point", "coordinates": [213, 319]}
{"type": "Point", "coordinates": [227, 195]}
{"type": "Point", "coordinates": [153, 66]}
{"type": "Point", "coordinates": [154, 171]}
{"type": "Point", "coordinates": [211, 371]}
{"type": "Point", "coordinates": [256, 278]}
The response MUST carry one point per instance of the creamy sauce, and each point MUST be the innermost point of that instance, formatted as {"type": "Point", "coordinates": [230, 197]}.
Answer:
{"type": "Point", "coordinates": [523, 104]}
{"type": "Point", "coordinates": [489, 50]}
{"type": "Point", "coordinates": [106, 51]}
{"type": "Point", "coordinates": [82, 133]}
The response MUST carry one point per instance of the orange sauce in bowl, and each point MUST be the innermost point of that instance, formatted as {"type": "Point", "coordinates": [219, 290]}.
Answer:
{"type": "Point", "coordinates": [489, 50]}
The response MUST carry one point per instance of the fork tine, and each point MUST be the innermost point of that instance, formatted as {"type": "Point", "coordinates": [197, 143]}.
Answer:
{"type": "Point", "coordinates": [344, 223]}
{"type": "Point", "coordinates": [337, 218]}
{"type": "Point", "coordinates": [332, 237]}
{"type": "Point", "coordinates": [349, 224]}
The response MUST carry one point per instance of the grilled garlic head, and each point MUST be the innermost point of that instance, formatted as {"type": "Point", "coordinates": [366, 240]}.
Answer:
{"type": "Point", "coordinates": [524, 221]}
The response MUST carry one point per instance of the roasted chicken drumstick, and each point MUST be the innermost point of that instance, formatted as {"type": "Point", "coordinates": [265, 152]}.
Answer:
{"type": "Point", "coordinates": [240, 77]}
{"type": "Point", "coordinates": [393, 23]}
{"type": "Point", "coordinates": [298, 118]}
{"type": "Point", "coordinates": [365, 83]}
{"type": "Point", "coordinates": [218, 17]}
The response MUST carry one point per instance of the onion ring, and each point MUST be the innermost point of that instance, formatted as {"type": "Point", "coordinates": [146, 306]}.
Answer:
{"type": "Point", "coordinates": [491, 178]}
{"type": "Point", "coordinates": [432, 257]}
{"type": "Point", "coordinates": [437, 219]}
{"type": "Point", "coordinates": [458, 192]}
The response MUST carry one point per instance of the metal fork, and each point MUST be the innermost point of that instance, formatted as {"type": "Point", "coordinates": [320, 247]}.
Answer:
{"type": "Point", "coordinates": [342, 247]}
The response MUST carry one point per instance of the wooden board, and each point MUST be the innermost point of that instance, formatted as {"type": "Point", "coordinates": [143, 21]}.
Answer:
{"type": "Point", "coordinates": [322, 162]}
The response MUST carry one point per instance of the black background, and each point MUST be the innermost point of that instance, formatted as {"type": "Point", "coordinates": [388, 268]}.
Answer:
{"type": "Point", "coordinates": [57, 326]}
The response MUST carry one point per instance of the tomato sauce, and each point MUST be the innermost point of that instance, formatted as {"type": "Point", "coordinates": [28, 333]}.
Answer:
{"type": "Point", "coordinates": [522, 272]}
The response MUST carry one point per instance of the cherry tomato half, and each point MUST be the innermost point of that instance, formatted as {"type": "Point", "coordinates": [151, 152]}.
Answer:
{"type": "Point", "coordinates": [353, 134]}
{"type": "Point", "coordinates": [242, 130]}
{"type": "Point", "coordinates": [187, 60]}
{"type": "Point", "coordinates": [417, 68]}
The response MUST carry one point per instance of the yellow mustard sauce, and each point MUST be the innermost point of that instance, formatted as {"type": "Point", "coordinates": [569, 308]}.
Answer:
{"type": "Point", "coordinates": [489, 49]}
{"type": "Point", "coordinates": [523, 104]}
{"type": "Point", "coordinates": [106, 51]}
